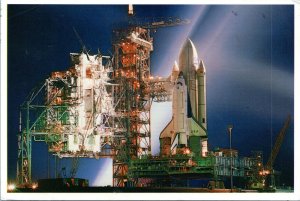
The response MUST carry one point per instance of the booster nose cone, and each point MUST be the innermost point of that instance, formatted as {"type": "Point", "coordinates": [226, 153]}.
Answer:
{"type": "Point", "coordinates": [201, 68]}
{"type": "Point", "coordinates": [175, 72]}
{"type": "Point", "coordinates": [175, 67]}
{"type": "Point", "coordinates": [188, 56]}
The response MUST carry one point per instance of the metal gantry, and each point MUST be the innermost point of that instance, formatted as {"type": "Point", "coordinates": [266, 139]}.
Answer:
{"type": "Point", "coordinates": [25, 136]}
{"type": "Point", "coordinates": [153, 170]}
{"type": "Point", "coordinates": [132, 49]}
{"type": "Point", "coordinates": [72, 111]}
{"type": "Point", "coordinates": [135, 91]}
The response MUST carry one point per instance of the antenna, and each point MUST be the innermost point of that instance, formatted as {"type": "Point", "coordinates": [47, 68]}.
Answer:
{"type": "Point", "coordinates": [81, 43]}
{"type": "Point", "coordinates": [130, 9]}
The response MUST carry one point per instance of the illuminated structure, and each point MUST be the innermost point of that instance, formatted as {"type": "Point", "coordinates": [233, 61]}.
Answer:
{"type": "Point", "coordinates": [132, 49]}
{"type": "Point", "coordinates": [100, 107]}
{"type": "Point", "coordinates": [187, 131]}
{"type": "Point", "coordinates": [75, 118]}
{"type": "Point", "coordinates": [183, 142]}
{"type": "Point", "coordinates": [136, 89]}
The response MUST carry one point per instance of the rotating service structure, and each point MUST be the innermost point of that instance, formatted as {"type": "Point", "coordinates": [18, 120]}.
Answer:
{"type": "Point", "coordinates": [72, 111]}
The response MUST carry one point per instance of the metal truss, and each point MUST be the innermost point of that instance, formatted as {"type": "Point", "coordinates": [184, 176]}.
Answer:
{"type": "Point", "coordinates": [52, 112]}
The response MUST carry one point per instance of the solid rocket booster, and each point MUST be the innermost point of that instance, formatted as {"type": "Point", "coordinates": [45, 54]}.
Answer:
{"type": "Point", "coordinates": [201, 79]}
{"type": "Point", "coordinates": [188, 127]}
{"type": "Point", "coordinates": [175, 72]}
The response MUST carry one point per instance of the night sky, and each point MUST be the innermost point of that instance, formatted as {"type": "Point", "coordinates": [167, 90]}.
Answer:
{"type": "Point", "coordinates": [248, 52]}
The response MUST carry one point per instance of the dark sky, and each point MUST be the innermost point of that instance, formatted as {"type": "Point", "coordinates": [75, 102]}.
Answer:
{"type": "Point", "coordinates": [248, 52]}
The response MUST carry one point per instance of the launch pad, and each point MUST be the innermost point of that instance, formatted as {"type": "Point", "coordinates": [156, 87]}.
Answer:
{"type": "Point", "coordinates": [100, 107]}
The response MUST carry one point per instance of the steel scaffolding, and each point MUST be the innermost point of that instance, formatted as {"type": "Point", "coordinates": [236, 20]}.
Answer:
{"type": "Point", "coordinates": [72, 111]}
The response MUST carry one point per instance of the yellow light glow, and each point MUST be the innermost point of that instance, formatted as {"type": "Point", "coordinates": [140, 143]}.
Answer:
{"type": "Point", "coordinates": [11, 187]}
{"type": "Point", "coordinates": [187, 151]}
{"type": "Point", "coordinates": [34, 186]}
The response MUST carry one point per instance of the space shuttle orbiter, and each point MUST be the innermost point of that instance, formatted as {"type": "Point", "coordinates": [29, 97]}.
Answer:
{"type": "Point", "coordinates": [187, 130]}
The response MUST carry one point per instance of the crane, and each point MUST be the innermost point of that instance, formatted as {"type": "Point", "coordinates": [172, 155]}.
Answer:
{"type": "Point", "coordinates": [278, 143]}
{"type": "Point", "coordinates": [269, 166]}
{"type": "Point", "coordinates": [268, 170]}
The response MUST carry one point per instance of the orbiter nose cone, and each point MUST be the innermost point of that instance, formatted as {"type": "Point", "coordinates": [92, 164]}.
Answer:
{"type": "Point", "coordinates": [188, 56]}
{"type": "Point", "coordinates": [201, 68]}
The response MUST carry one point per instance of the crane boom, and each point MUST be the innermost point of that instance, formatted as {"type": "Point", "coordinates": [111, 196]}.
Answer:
{"type": "Point", "coordinates": [278, 143]}
{"type": "Point", "coordinates": [158, 22]}
{"type": "Point", "coordinates": [169, 22]}
{"type": "Point", "coordinates": [154, 23]}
